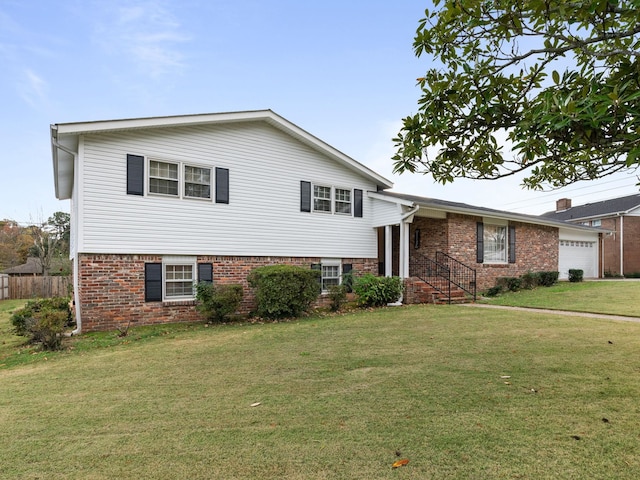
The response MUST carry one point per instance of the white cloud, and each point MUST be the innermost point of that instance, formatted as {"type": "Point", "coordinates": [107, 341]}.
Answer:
{"type": "Point", "coordinates": [33, 89]}
{"type": "Point", "coordinates": [146, 34]}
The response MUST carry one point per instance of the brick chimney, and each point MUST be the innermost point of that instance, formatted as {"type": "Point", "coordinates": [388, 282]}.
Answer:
{"type": "Point", "coordinates": [563, 204]}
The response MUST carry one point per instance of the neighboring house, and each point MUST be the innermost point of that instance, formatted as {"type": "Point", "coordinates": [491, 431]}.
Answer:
{"type": "Point", "coordinates": [160, 203]}
{"type": "Point", "coordinates": [621, 216]}
{"type": "Point", "coordinates": [32, 267]}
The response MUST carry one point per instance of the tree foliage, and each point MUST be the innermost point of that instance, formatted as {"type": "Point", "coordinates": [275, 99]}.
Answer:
{"type": "Point", "coordinates": [559, 79]}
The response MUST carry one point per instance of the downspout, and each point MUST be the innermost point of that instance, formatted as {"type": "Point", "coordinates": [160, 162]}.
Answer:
{"type": "Point", "coordinates": [404, 252]}
{"type": "Point", "coordinates": [76, 294]}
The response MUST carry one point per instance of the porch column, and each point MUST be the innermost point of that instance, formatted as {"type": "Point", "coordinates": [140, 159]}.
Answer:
{"type": "Point", "coordinates": [404, 250]}
{"type": "Point", "coordinates": [388, 251]}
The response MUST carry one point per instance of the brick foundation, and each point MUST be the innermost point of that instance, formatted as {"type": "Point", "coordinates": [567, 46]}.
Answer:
{"type": "Point", "coordinates": [112, 287]}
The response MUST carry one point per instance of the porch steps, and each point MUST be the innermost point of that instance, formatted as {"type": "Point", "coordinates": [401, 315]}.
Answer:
{"type": "Point", "coordinates": [420, 291]}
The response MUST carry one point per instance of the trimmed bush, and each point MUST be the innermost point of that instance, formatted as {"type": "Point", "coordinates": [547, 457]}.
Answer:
{"type": "Point", "coordinates": [513, 284]}
{"type": "Point", "coordinates": [576, 275]}
{"type": "Point", "coordinates": [284, 290]}
{"type": "Point", "coordinates": [494, 291]}
{"type": "Point", "coordinates": [43, 321]}
{"type": "Point", "coordinates": [530, 280]}
{"type": "Point", "coordinates": [375, 291]}
{"type": "Point", "coordinates": [548, 279]}
{"type": "Point", "coordinates": [216, 302]}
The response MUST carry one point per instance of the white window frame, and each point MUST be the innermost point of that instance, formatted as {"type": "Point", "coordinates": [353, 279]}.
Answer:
{"type": "Point", "coordinates": [169, 179]}
{"type": "Point", "coordinates": [330, 263]}
{"type": "Point", "coordinates": [336, 201]}
{"type": "Point", "coordinates": [181, 180]}
{"type": "Point", "coordinates": [490, 245]}
{"type": "Point", "coordinates": [332, 199]}
{"type": "Point", "coordinates": [596, 223]}
{"type": "Point", "coordinates": [179, 261]}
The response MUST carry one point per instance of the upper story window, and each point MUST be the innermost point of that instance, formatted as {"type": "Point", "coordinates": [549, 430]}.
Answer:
{"type": "Point", "coordinates": [321, 199]}
{"type": "Point", "coordinates": [329, 199]}
{"type": "Point", "coordinates": [596, 223]}
{"type": "Point", "coordinates": [197, 182]}
{"type": "Point", "coordinates": [163, 178]}
{"type": "Point", "coordinates": [343, 201]}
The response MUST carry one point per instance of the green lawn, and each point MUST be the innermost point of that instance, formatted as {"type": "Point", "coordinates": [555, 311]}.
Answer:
{"type": "Point", "coordinates": [609, 297]}
{"type": "Point", "coordinates": [338, 397]}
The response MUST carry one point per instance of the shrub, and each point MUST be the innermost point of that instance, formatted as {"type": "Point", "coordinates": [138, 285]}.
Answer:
{"type": "Point", "coordinates": [513, 284]}
{"type": "Point", "coordinates": [284, 290]}
{"type": "Point", "coordinates": [338, 296]}
{"type": "Point", "coordinates": [548, 279]}
{"type": "Point", "coordinates": [375, 291]}
{"type": "Point", "coordinates": [530, 280]}
{"type": "Point", "coordinates": [493, 291]}
{"type": "Point", "coordinates": [43, 321]}
{"type": "Point", "coordinates": [347, 281]}
{"type": "Point", "coordinates": [216, 302]}
{"type": "Point", "coordinates": [576, 275]}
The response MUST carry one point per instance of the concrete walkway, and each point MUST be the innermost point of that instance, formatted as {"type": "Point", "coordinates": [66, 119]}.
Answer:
{"type": "Point", "coordinates": [556, 312]}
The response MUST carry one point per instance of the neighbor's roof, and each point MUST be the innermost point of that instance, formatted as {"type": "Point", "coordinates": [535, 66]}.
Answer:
{"type": "Point", "coordinates": [64, 140]}
{"type": "Point", "coordinates": [606, 208]}
{"type": "Point", "coordinates": [463, 208]}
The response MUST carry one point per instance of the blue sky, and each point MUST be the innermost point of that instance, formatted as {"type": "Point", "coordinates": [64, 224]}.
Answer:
{"type": "Point", "coordinates": [342, 70]}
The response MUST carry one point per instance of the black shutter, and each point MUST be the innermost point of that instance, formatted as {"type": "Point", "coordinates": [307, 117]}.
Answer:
{"type": "Point", "coordinates": [479, 242]}
{"type": "Point", "coordinates": [205, 273]}
{"type": "Point", "coordinates": [318, 268]}
{"type": "Point", "coordinates": [305, 196]}
{"type": "Point", "coordinates": [357, 203]}
{"type": "Point", "coordinates": [512, 244]}
{"type": "Point", "coordinates": [347, 267]}
{"type": "Point", "coordinates": [153, 282]}
{"type": "Point", "coordinates": [135, 175]}
{"type": "Point", "coordinates": [222, 185]}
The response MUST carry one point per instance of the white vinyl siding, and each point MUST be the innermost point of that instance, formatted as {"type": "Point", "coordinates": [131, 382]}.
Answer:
{"type": "Point", "coordinates": [263, 216]}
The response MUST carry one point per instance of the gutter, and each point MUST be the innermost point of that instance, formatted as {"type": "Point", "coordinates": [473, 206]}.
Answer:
{"type": "Point", "coordinates": [76, 294]}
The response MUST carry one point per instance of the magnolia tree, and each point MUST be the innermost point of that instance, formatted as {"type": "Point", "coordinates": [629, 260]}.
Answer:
{"type": "Point", "coordinates": [560, 80]}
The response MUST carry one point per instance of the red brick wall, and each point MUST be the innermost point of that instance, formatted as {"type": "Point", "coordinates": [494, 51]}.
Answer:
{"type": "Point", "coordinates": [631, 245]}
{"type": "Point", "coordinates": [536, 246]}
{"type": "Point", "coordinates": [611, 247]}
{"type": "Point", "coordinates": [111, 287]}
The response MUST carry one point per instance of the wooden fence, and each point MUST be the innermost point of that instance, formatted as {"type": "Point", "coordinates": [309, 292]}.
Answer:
{"type": "Point", "coordinates": [38, 287]}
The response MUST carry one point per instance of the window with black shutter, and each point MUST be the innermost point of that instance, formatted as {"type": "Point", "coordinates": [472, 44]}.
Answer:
{"type": "Point", "coordinates": [135, 175]}
{"type": "Point", "coordinates": [153, 282]}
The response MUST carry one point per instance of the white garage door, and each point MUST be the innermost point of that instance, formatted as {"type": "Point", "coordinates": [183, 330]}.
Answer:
{"type": "Point", "coordinates": [578, 254]}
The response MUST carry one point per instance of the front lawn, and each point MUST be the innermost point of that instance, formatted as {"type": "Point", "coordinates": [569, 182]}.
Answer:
{"type": "Point", "coordinates": [609, 297]}
{"type": "Point", "coordinates": [460, 392]}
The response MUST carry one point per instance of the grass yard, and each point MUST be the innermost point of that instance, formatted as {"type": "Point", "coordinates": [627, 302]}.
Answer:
{"type": "Point", "coordinates": [609, 297]}
{"type": "Point", "coordinates": [339, 397]}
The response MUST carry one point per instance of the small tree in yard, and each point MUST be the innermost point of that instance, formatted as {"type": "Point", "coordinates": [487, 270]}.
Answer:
{"type": "Point", "coordinates": [216, 302]}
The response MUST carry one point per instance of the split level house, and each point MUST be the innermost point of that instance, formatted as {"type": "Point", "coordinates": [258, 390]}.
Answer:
{"type": "Point", "coordinates": [621, 217]}
{"type": "Point", "coordinates": [160, 203]}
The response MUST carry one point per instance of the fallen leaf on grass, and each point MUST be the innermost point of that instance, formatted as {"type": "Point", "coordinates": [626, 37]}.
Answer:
{"type": "Point", "coordinates": [255, 404]}
{"type": "Point", "coordinates": [505, 376]}
{"type": "Point", "coordinates": [400, 463]}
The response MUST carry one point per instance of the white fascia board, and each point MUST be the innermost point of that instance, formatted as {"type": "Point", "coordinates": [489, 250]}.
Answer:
{"type": "Point", "coordinates": [385, 198]}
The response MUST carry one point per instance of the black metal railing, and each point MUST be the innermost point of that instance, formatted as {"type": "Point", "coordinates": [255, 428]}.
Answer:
{"type": "Point", "coordinates": [461, 275]}
{"type": "Point", "coordinates": [443, 272]}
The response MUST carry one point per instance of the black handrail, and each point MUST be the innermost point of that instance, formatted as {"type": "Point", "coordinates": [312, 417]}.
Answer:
{"type": "Point", "coordinates": [460, 274]}
{"type": "Point", "coordinates": [427, 269]}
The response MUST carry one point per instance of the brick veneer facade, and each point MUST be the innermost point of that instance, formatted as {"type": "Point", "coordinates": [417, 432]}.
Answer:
{"type": "Point", "coordinates": [537, 246]}
{"type": "Point", "coordinates": [112, 287]}
{"type": "Point", "coordinates": [630, 245]}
